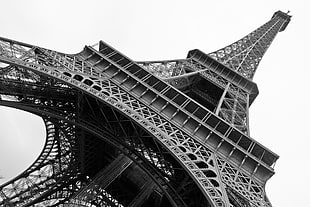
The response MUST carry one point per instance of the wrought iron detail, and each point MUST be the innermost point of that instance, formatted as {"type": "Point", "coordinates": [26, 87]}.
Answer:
{"type": "Point", "coordinates": [181, 135]}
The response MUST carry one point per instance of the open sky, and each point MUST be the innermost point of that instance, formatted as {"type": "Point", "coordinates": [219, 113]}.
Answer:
{"type": "Point", "coordinates": [167, 29]}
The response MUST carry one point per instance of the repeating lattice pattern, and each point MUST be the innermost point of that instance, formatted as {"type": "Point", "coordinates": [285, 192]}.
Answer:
{"type": "Point", "coordinates": [245, 54]}
{"type": "Point", "coordinates": [123, 98]}
{"type": "Point", "coordinates": [119, 98]}
{"type": "Point", "coordinates": [43, 174]}
{"type": "Point", "coordinates": [212, 173]}
{"type": "Point", "coordinates": [70, 116]}
{"type": "Point", "coordinates": [177, 77]}
{"type": "Point", "coordinates": [235, 107]}
{"type": "Point", "coordinates": [235, 111]}
{"type": "Point", "coordinates": [182, 145]}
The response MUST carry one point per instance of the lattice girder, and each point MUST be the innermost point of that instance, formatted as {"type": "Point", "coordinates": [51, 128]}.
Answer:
{"type": "Point", "coordinates": [26, 107]}
{"type": "Point", "coordinates": [192, 67]}
{"type": "Point", "coordinates": [57, 161]}
{"type": "Point", "coordinates": [227, 166]}
{"type": "Point", "coordinates": [38, 106]}
{"type": "Point", "coordinates": [122, 94]}
{"type": "Point", "coordinates": [244, 55]}
{"type": "Point", "coordinates": [186, 82]}
{"type": "Point", "coordinates": [170, 145]}
{"type": "Point", "coordinates": [235, 111]}
{"type": "Point", "coordinates": [43, 175]}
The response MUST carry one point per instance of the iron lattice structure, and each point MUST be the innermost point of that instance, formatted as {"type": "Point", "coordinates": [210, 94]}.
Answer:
{"type": "Point", "coordinates": [126, 133]}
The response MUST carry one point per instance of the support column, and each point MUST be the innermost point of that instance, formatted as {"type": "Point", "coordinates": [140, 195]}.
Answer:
{"type": "Point", "coordinates": [247, 114]}
{"type": "Point", "coordinates": [218, 108]}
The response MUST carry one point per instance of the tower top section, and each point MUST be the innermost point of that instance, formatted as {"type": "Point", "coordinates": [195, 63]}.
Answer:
{"type": "Point", "coordinates": [244, 55]}
{"type": "Point", "coordinates": [282, 15]}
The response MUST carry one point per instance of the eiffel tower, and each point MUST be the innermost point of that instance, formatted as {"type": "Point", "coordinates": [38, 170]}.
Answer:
{"type": "Point", "coordinates": [126, 133]}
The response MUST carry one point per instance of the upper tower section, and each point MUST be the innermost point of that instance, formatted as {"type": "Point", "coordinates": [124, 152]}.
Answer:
{"type": "Point", "coordinates": [221, 81]}
{"type": "Point", "coordinates": [244, 55]}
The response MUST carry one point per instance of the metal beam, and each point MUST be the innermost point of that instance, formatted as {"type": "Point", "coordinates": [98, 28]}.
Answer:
{"type": "Point", "coordinates": [104, 178]}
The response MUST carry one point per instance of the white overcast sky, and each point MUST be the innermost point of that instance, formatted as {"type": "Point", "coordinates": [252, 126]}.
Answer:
{"type": "Point", "coordinates": [163, 29]}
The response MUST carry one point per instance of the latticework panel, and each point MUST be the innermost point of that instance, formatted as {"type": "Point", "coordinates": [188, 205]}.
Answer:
{"type": "Point", "coordinates": [234, 110]}
{"type": "Point", "coordinates": [227, 167]}
{"type": "Point", "coordinates": [57, 109]}
{"type": "Point", "coordinates": [234, 106]}
{"type": "Point", "coordinates": [58, 159]}
{"type": "Point", "coordinates": [244, 55]}
{"type": "Point", "coordinates": [44, 174]}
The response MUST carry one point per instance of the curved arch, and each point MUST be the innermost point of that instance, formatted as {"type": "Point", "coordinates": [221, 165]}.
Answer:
{"type": "Point", "coordinates": [48, 145]}
{"type": "Point", "coordinates": [113, 94]}
{"type": "Point", "coordinates": [114, 90]}
{"type": "Point", "coordinates": [115, 99]}
{"type": "Point", "coordinates": [106, 136]}
{"type": "Point", "coordinates": [26, 188]}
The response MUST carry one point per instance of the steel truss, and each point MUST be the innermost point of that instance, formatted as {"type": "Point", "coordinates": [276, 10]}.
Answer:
{"type": "Point", "coordinates": [243, 56]}
{"type": "Point", "coordinates": [183, 153]}
{"type": "Point", "coordinates": [34, 105]}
